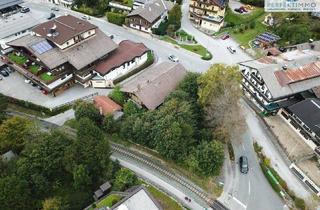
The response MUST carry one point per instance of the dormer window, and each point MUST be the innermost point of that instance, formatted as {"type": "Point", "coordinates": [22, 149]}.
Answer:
{"type": "Point", "coordinates": [89, 32]}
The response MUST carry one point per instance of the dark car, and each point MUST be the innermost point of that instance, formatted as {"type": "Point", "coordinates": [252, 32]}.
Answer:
{"type": "Point", "coordinates": [243, 162]}
{"type": "Point", "coordinates": [238, 10]}
{"type": "Point", "coordinates": [52, 15]}
{"type": "Point", "coordinates": [4, 73]}
{"type": "Point", "coordinates": [24, 10]}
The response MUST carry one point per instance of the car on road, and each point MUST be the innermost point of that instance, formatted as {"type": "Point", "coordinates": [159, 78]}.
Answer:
{"type": "Point", "coordinates": [24, 9]}
{"type": "Point", "coordinates": [55, 9]}
{"type": "Point", "coordinates": [51, 15]}
{"type": "Point", "coordinates": [27, 81]}
{"type": "Point", "coordinates": [173, 58]}
{"type": "Point", "coordinates": [243, 163]}
{"type": "Point", "coordinates": [231, 49]}
{"type": "Point", "coordinates": [85, 17]}
{"type": "Point", "coordinates": [238, 10]}
{"type": "Point", "coordinates": [225, 36]}
{"type": "Point", "coordinates": [4, 73]}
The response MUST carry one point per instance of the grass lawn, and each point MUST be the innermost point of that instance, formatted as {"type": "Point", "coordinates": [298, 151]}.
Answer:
{"type": "Point", "coordinates": [45, 77]}
{"type": "Point", "coordinates": [198, 49]}
{"type": "Point", "coordinates": [109, 201]}
{"type": "Point", "coordinates": [17, 59]}
{"type": "Point", "coordinates": [34, 69]}
{"type": "Point", "coordinates": [18, 108]}
{"type": "Point", "coordinates": [243, 21]}
{"type": "Point", "coordinates": [249, 34]}
{"type": "Point", "coordinates": [165, 201]}
{"type": "Point", "coordinates": [238, 19]}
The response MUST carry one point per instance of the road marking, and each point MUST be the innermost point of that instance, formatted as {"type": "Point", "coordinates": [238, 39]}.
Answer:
{"type": "Point", "coordinates": [249, 187]}
{"type": "Point", "coordinates": [243, 147]}
{"type": "Point", "coordinates": [239, 202]}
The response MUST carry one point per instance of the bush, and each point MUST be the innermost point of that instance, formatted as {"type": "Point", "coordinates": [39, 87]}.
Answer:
{"type": "Point", "coordinates": [118, 96]}
{"type": "Point", "coordinates": [300, 204]}
{"type": "Point", "coordinates": [162, 29]}
{"type": "Point", "coordinates": [252, 25]}
{"type": "Point", "coordinates": [32, 106]}
{"type": "Point", "coordinates": [116, 18]}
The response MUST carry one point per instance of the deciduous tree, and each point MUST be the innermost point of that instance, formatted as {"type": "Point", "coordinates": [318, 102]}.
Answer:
{"type": "Point", "coordinates": [219, 94]}
{"type": "Point", "coordinates": [124, 179]}
{"type": "Point", "coordinates": [14, 132]}
{"type": "Point", "coordinates": [87, 110]}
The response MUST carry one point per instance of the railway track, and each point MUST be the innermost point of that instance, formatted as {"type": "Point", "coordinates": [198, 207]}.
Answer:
{"type": "Point", "coordinates": [215, 204]}
{"type": "Point", "coordinates": [116, 148]}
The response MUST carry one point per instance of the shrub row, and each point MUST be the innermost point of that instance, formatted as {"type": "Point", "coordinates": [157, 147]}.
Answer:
{"type": "Point", "coordinates": [116, 18]}
{"type": "Point", "coordinates": [32, 106]}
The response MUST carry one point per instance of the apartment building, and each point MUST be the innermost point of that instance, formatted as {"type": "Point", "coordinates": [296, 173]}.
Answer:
{"type": "Point", "coordinates": [283, 79]}
{"type": "Point", "coordinates": [208, 14]}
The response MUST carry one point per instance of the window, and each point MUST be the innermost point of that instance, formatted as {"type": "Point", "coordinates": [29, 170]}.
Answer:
{"type": "Point", "coordinates": [89, 32]}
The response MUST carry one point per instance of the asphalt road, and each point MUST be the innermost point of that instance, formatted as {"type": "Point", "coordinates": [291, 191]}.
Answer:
{"type": "Point", "coordinates": [191, 61]}
{"type": "Point", "coordinates": [249, 191]}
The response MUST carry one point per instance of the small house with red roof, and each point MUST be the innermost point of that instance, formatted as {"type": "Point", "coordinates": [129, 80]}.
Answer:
{"type": "Point", "coordinates": [106, 106]}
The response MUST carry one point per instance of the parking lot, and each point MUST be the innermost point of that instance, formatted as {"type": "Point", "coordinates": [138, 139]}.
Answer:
{"type": "Point", "coordinates": [15, 86]}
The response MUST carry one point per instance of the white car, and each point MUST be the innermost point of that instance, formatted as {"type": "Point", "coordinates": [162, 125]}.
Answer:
{"type": "Point", "coordinates": [173, 58]}
{"type": "Point", "coordinates": [55, 9]}
{"type": "Point", "coordinates": [85, 17]}
{"type": "Point", "coordinates": [231, 49]}
{"type": "Point", "coordinates": [27, 81]}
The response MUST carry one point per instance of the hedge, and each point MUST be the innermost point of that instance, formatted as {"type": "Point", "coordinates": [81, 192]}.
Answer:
{"type": "Point", "coordinates": [116, 18]}
{"type": "Point", "coordinates": [32, 106]}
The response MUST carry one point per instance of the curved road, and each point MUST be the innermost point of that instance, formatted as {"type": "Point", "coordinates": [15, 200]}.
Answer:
{"type": "Point", "coordinates": [217, 47]}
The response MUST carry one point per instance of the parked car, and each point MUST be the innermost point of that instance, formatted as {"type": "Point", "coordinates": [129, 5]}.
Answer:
{"type": "Point", "coordinates": [55, 9]}
{"type": "Point", "coordinates": [111, 36]}
{"type": "Point", "coordinates": [52, 15]}
{"type": "Point", "coordinates": [231, 49]}
{"type": "Point", "coordinates": [243, 162]}
{"type": "Point", "coordinates": [225, 36]}
{"type": "Point", "coordinates": [24, 9]}
{"type": "Point", "coordinates": [85, 17]}
{"type": "Point", "coordinates": [4, 73]}
{"type": "Point", "coordinates": [173, 58]}
{"type": "Point", "coordinates": [27, 81]}
{"type": "Point", "coordinates": [238, 10]}
{"type": "Point", "coordinates": [243, 9]}
{"type": "Point", "coordinates": [1, 78]}
{"type": "Point", "coordinates": [9, 70]}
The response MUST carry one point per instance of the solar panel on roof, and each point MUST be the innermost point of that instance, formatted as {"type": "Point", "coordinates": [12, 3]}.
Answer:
{"type": "Point", "coordinates": [42, 47]}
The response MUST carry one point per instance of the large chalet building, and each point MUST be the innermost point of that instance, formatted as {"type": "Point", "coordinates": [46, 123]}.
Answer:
{"type": "Point", "coordinates": [68, 50]}
{"type": "Point", "coordinates": [208, 14]}
{"type": "Point", "coordinates": [280, 79]}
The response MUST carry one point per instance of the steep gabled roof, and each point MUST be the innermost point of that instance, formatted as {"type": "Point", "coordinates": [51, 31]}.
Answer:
{"type": "Point", "coordinates": [155, 83]}
{"type": "Point", "coordinates": [126, 52]}
{"type": "Point", "coordinates": [66, 26]}
{"type": "Point", "coordinates": [151, 11]}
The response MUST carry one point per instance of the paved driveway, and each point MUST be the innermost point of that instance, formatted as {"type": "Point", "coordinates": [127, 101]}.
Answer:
{"type": "Point", "coordinates": [15, 86]}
